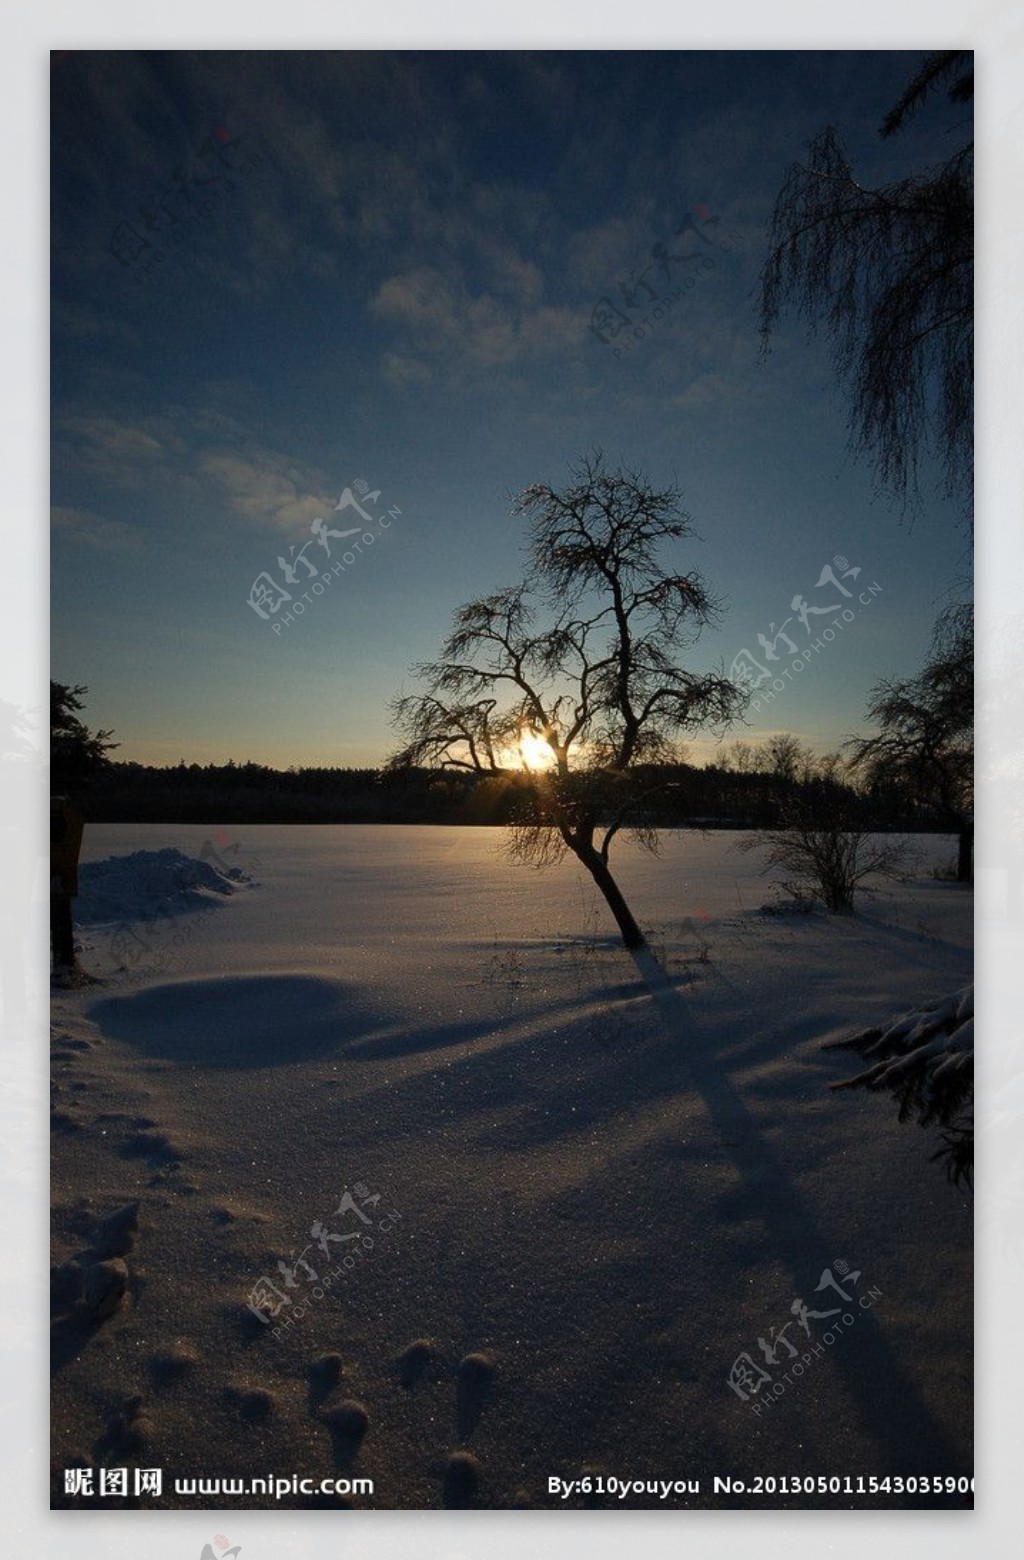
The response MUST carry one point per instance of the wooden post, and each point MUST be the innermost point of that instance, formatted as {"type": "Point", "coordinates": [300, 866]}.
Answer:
{"type": "Point", "coordinates": [66, 825]}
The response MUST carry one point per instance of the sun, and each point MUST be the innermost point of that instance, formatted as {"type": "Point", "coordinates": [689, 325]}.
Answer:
{"type": "Point", "coordinates": [534, 750]}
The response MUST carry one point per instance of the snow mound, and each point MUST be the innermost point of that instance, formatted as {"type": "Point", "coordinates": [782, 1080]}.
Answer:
{"type": "Point", "coordinates": [237, 1021]}
{"type": "Point", "coordinates": [149, 883]}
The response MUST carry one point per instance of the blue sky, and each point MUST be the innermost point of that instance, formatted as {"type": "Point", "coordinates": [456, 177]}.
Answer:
{"type": "Point", "coordinates": [399, 292]}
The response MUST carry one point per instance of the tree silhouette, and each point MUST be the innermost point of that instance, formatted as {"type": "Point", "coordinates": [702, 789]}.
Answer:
{"type": "Point", "coordinates": [77, 754]}
{"type": "Point", "coordinates": [576, 708]}
{"type": "Point", "coordinates": [889, 274]}
{"type": "Point", "coordinates": [824, 850]}
{"type": "Point", "coordinates": [925, 740]}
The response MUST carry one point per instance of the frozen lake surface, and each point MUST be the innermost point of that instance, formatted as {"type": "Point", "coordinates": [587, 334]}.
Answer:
{"type": "Point", "coordinates": [612, 1182]}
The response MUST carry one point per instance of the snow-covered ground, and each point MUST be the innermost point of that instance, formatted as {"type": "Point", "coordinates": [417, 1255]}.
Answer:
{"type": "Point", "coordinates": [612, 1179]}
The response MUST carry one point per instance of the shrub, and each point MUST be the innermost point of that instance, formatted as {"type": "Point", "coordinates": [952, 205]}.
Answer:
{"type": "Point", "coordinates": [825, 852]}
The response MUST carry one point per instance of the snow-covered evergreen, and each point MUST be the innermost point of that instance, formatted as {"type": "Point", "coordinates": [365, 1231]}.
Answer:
{"type": "Point", "coordinates": [926, 1061]}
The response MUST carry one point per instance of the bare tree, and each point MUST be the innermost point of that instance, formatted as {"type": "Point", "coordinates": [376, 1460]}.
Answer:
{"type": "Point", "coordinates": [569, 682]}
{"type": "Point", "coordinates": [889, 274]}
{"type": "Point", "coordinates": [925, 740]}
{"type": "Point", "coordinates": [782, 756]}
{"type": "Point", "coordinates": [828, 768]}
{"type": "Point", "coordinates": [741, 757]}
{"type": "Point", "coordinates": [825, 852]}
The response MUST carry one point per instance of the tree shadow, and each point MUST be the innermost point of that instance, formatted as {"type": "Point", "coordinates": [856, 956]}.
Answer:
{"type": "Point", "coordinates": [270, 1021]}
{"type": "Point", "coordinates": [887, 1402]}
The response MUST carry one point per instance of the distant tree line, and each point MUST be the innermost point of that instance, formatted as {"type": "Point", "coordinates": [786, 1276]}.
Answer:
{"type": "Point", "coordinates": [749, 788]}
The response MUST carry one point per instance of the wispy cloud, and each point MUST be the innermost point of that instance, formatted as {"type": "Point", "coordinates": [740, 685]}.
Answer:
{"type": "Point", "coordinates": [405, 372]}
{"type": "Point", "coordinates": [200, 457]}
{"type": "Point", "coordinates": [109, 448]}
{"type": "Point", "coordinates": [443, 323]}
{"type": "Point", "coordinates": [261, 486]}
{"type": "Point", "coordinates": [82, 527]}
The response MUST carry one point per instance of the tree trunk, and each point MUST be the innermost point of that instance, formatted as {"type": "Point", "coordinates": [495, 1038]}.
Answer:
{"type": "Point", "coordinates": [632, 936]}
{"type": "Point", "coordinates": [62, 933]}
{"type": "Point", "coordinates": [964, 854]}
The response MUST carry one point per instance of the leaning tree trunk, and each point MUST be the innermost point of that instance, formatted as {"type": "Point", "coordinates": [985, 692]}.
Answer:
{"type": "Point", "coordinates": [632, 936]}
{"type": "Point", "coordinates": [964, 852]}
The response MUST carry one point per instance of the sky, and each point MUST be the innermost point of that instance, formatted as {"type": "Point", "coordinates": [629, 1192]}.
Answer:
{"type": "Point", "coordinates": [288, 281]}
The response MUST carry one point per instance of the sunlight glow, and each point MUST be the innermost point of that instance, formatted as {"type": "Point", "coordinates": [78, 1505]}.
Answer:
{"type": "Point", "coordinates": [535, 752]}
